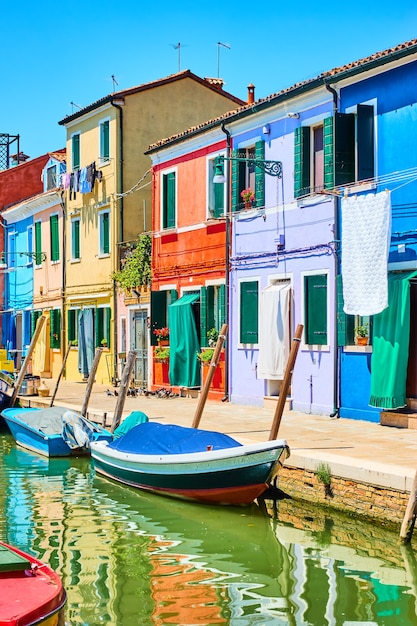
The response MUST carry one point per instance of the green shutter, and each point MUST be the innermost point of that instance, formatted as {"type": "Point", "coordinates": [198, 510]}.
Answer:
{"type": "Point", "coordinates": [259, 175]}
{"type": "Point", "coordinates": [236, 199]}
{"type": "Point", "coordinates": [344, 141]}
{"type": "Point", "coordinates": [106, 329]}
{"type": "Point", "coordinates": [249, 296]}
{"type": "Point", "coordinates": [345, 323]}
{"type": "Point", "coordinates": [221, 303]}
{"type": "Point", "coordinates": [54, 238]}
{"type": "Point", "coordinates": [328, 153]}
{"type": "Point", "coordinates": [34, 315]}
{"type": "Point", "coordinates": [38, 243]}
{"type": "Point", "coordinates": [98, 327]}
{"type": "Point", "coordinates": [203, 316]}
{"type": "Point", "coordinates": [169, 209]}
{"type": "Point", "coordinates": [75, 152]}
{"type": "Point", "coordinates": [104, 140]}
{"type": "Point", "coordinates": [218, 193]}
{"type": "Point", "coordinates": [158, 312]}
{"type": "Point", "coordinates": [365, 141]}
{"type": "Point", "coordinates": [72, 325]}
{"type": "Point", "coordinates": [316, 309]}
{"type": "Point", "coordinates": [301, 161]}
{"type": "Point", "coordinates": [76, 239]}
{"type": "Point", "coordinates": [106, 233]}
{"type": "Point", "coordinates": [55, 328]}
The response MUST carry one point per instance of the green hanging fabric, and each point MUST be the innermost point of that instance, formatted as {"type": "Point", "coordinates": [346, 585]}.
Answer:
{"type": "Point", "coordinates": [391, 335]}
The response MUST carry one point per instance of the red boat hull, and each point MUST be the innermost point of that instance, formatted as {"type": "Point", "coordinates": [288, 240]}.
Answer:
{"type": "Point", "coordinates": [31, 592]}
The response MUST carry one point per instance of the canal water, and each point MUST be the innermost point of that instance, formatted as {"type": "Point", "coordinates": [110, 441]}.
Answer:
{"type": "Point", "coordinates": [128, 558]}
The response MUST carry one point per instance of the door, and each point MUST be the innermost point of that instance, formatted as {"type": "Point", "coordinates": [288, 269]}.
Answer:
{"type": "Point", "coordinates": [139, 341]}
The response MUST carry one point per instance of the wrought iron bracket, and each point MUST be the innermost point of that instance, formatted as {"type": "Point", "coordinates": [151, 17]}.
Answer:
{"type": "Point", "coordinates": [272, 168]}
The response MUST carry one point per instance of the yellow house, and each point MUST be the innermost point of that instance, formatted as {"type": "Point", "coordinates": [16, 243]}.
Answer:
{"type": "Point", "coordinates": [109, 204]}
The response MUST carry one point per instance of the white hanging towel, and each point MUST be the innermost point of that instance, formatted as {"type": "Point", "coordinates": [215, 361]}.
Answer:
{"type": "Point", "coordinates": [274, 331]}
{"type": "Point", "coordinates": [366, 233]}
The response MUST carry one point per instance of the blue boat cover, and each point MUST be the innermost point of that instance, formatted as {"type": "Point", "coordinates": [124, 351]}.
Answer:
{"type": "Point", "coordinates": [156, 438]}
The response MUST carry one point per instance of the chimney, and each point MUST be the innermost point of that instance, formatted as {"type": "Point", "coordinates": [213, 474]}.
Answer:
{"type": "Point", "coordinates": [251, 93]}
{"type": "Point", "coordinates": [21, 157]}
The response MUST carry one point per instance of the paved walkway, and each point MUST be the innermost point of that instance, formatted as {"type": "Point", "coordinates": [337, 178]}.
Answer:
{"type": "Point", "coordinates": [365, 451]}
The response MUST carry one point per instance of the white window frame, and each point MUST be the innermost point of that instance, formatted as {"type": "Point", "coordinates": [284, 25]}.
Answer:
{"type": "Point", "coordinates": [210, 169]}
{"type": "Point", "coordinates": [251, 279]}
{"type": "Point", "coordinates": [102, 160]}
{"type": "Point", "coordinates": [74, 134]}
{"type": "Point", "coordinates": [162, 175]}
{"type": "Point", "coordinates": [304, 345]}
{"type": "Point", "coordinates": [101, 253]}
{"type": "Point", "coordinates": [75, 259]}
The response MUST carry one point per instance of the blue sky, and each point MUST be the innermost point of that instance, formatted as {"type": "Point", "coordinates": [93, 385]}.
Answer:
{"type": "Point", "coordinates": [58, 53]}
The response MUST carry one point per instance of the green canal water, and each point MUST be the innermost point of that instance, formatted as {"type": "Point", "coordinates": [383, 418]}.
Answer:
{"type": "Point", "coordinates": [128, 558]}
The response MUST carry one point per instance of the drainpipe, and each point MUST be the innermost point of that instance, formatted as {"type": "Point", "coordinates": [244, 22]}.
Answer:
{"type": "Point", "coordinates": [227, 279]}
{"type": "Point", "coordinates": [336, 234]}
{"type": "Point", "coordinates": [64, 272]}
{"type": "Point", "coordinates": [118, 105]}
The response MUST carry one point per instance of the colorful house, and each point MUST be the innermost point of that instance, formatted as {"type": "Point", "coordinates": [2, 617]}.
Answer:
{"type": "Point", "coordinates": [25, 191]}
{"type": "Point", "coordinates": [108, 199]}
{"type": "Point", "coordinates": [303, 153]}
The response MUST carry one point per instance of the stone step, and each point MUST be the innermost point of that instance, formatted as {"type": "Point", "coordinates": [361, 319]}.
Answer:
{"type": "Point", "coordinates": [271, 402]}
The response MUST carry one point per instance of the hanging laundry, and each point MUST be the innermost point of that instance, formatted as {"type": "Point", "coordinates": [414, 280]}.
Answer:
{"type": "Point", "coordinates": [366, 234]}
{"type": "Point", "coordinates": [274, 331]}
{"type": "Point", "coordinates": [85, 185]}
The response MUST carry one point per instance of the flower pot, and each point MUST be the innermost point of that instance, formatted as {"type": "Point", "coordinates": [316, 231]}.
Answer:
{"type": "Point", "coordinates": [248, 205]}
{"type": "Point", "coordinates": [362, 341]}
{"type": "Point", "coordinates": [163, 342]}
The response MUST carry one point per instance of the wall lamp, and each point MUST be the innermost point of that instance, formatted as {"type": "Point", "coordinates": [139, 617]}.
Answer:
{"type": "Point", "coordinates": [272, 168]}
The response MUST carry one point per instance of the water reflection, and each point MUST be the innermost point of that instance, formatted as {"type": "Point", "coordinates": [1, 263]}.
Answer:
{"type": "Point", "coordinates": [131, 558]}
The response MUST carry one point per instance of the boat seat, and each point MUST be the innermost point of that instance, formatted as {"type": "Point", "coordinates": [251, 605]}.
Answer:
{"type": "Point", "coordinates": [12, 562]}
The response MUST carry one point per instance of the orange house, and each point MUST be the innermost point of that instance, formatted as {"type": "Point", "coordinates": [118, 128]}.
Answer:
{"type": "Point", "coordinates": [189, 250]}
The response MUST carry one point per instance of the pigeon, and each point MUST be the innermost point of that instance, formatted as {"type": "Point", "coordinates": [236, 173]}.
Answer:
{"type": "Point", "coordinates": [108, 392]}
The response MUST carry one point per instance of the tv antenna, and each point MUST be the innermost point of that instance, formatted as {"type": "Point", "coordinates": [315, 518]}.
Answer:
{"type": "Point", "coordinates": [177, 46]}
{"type": "Point", "coordinates": [114, 81]}
{"type": "Point", "coordinates": [225, 45]}
{"type": "Point", "coordinates": [75, 105]}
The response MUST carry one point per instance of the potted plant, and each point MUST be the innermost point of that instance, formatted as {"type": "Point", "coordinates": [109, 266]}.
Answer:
{"type": "Point", "coordinates": [205, 356]}
{"type": "Point", "coordinates": [104, 343]}
{"type": "Point", "coordinates": [162, 335]}
{"type": "Point", "coordinates": [212, 336]}
{"type": "Point", "coordinates": [248, 196]}
{"type": "Point", "coordinates": [161, 355]}
{"type": "Point", "coordinates": [361, 334]}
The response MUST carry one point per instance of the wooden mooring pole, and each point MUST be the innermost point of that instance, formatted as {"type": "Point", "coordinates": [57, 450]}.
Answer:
{"type": "Point", "coordinates": [124, 386]}
{"type": "Point", "coordinates": [410, 515]}
{"type": "Point", "coordinates": [90, 381]}
{"type": "Point", "coordinates": [282, 398]}
{"type": "Point", "coordinates": [213, 364]}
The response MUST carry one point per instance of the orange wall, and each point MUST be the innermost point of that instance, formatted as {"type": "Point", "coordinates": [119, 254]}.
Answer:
{"type": "Point", "coordinates": [195, 251]}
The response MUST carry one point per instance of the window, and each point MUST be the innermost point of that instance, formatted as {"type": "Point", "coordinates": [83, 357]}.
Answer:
{"type": "Point", "coordinates": [169, 190]}
{"type": "Point", "coordinates": [104, 233]}
{"type": "Point", "coordinates": [160, 301]}
{"type": "Point", "coordinates": [216, 193]}
{"type": "Point", "coordinates": [53, 222]}
{"type": "Point", "coordinates": [38, 243]}
{"type": "Point", "coordinates": [55, 328]}
{"type": "Point", "coordinates": [104, 141]}
{"type": "Point", "coordinates": [249, 312]}
{"type": "Point", "coordinates": [212, 309]}
{"type": "Point", "coordinates": [11, 249]}
{"type": "Point", "coordinates": [102, 326]}
{"type": "Point", "coordinates": [75, 151]}
{"type": "Point", "coordinates": [51, 177]}
{"type": "Point", "coordinates": [75, 239]}
{"type": "Point", "coordinates": [315, 309]}
{"type": "Point", "coordinates": [247, 175]}
{"type": "Point", "coordinates": [338, 152]}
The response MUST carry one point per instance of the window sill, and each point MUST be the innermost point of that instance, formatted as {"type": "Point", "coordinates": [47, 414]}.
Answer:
{"type": "Point", "coordinates": [103, 162]}
{"type": "Point", "coordinates": [357, 349]}
{"type": "Point", "coordinates": [315, 348]}
{"type": "Point", "coordinates": [104, 256]}
{"type": "Point", "coordinates": [55, 262]}
{"type": "Point", "coordinates": [75, 260]}
{"type": "Point", "coordinates": [248, 346]}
